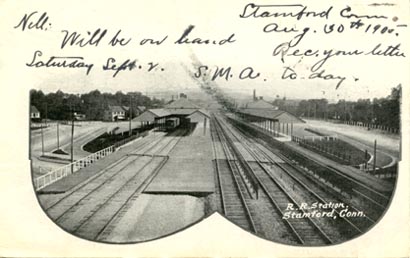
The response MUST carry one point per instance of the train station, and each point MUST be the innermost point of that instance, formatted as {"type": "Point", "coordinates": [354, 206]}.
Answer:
{"type": "Point", "coordinates": [269, 117]}
{"type": "Point", "coordinates": [181, 112]}
{"type": "Point", "coordinates": [189, 158]}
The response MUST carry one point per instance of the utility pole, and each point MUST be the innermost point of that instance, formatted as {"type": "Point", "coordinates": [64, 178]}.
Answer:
{"type": "Point", "coordinates": [129, 116]}
{"type": "Point", "coordinates": [374, 157]}
{"type": "Point", "coordinates": [345, 115]}
{"type": "Point", "coordinates": [42, 139]}
{"type": "Point", "coordinates": [315, 110]}
{"type": "Point", "coordinates": [46, 114]}
{"type": "Point", "coordinates": [72, 138]}
{"type": "Point", "coordinates": [58, 137]}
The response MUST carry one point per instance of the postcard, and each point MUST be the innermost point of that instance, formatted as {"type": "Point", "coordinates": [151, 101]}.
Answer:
{"type": "Point", "coordinates": [204, 129]}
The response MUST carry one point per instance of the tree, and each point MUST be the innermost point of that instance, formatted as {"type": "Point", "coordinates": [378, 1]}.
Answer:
{"type": "Point", "coordinates": [93, 104]}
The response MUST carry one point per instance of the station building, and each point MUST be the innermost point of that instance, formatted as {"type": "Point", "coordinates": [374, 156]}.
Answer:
{"type": "Point", "coordinates": [268, 117]}
{"type": "Point", "coordinates": [181, 112]}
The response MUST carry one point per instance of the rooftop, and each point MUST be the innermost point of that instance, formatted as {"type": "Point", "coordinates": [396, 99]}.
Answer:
{"type": "Point", "coordinates": [159, 112]}
{"type": "Point", "coordinates": [260, 104]}
{"type": "Point", "coordinates": [269, 114]}
{"type": "Point", "coordinates": [33, 109]}
{"type": "Point", "coordinates": [116, 109]}
{"type": "Point", "coordinates": [182, 103]}
{"type": "Point", "coordinates": [203, 111]}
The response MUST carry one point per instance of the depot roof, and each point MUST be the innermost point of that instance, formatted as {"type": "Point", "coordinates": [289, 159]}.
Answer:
{"type": "Point", "coordinates": [277, 115]}
{"type": "Point", "coordinates": [260, 104]}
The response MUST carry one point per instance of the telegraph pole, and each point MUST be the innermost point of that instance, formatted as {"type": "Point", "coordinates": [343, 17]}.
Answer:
{"type": "Point", "coordinates": [46, 114]}
{"type": "Point", "coordinates": [72, 138]}
{"type": "Point", "coordinates": [58, 137]}
{"type": "Point", "coordinates": [129, 116]}
{"type": "Point", "coordinates": [42, 139]}
{"type": "Point", "coordinates": [374, 157]}
{"type": "Point", "coordinates": [345, 115]}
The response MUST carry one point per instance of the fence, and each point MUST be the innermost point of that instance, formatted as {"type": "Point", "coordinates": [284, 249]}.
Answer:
{"type": "Point", "coordinates": [55, 175]}
{"type": "Point", "coordinates": [385, 173]}
{"type": "Point", "coordinates": [323, 149]}
{"type": "Point", "coordinates": [372, 126]}
{"type": "Point", "coordinates": [368, 126]}
{"type": "Point", "coordinates": [34, 126]}
{"type": "Point", "coordinates": [316, 137]}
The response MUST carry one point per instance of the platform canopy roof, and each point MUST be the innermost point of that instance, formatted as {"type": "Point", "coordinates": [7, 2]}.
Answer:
{"type": "Point", "coordinates": [260, 104]}
{"type": "Point", "coordinates": [179, 107]}
{"type": "Point", "coordinates": [181, 111]}
{"type": "Point", "coordinates": [202, 111]}
{"type": "Point", "coordinates": [150, 115]}
{"type": "Point", "coordinates": [275, 115]}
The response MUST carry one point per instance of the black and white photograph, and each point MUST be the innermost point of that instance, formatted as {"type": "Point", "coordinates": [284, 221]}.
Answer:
{"type": "Point", "coordinates": [205, 129]}
{"type": "Point", "coordinates": [134, 166]}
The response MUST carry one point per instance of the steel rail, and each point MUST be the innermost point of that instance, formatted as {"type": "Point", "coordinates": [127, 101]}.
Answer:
{"type": "Point", "coordinates": [299, 181]}
{"type": "Point", "coordinates": [222, 138]}
{"type": "Point", "coordinates": [322, 234]}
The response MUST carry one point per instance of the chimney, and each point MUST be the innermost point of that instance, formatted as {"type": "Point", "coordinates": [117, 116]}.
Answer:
{"type": "Point", "coordinates": [254, 94]}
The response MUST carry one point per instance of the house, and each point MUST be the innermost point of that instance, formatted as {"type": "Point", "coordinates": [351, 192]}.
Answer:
{"type": "Point", "coordinates": [139, 110]}
{"type": "Point", "coordinates": [136, 111]}
{"type": "Point", "coordinates": [114, 113]}
{"type": "Point", "coordinates": [34, 113]}
{"type": "Point", "coordinates": [79, 116]}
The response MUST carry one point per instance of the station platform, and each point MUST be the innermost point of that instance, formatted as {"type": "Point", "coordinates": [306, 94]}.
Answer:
{"type": "Point", "coordinates": [65, 184]}
{"type": "Point", "coordinates": [189, 169]}
{"type": "Point", "coordinates": [375, 183]}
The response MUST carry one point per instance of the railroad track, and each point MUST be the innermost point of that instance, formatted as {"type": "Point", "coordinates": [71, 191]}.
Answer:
{"type": "Point", "coordinates": [374, 208]}
{"type": "Point", "coordinates": [349, 226]}
{"type": "Point", "coordinates": [305, 230]}
{"type": "Point", "coordinates": [97, 180]}
{"type": "Point", "coordinates": [378, 200]}
{"type": "Point", "coordinates": [105, 232]}
{"type": "Point", "coordinates": [89, 210]}
{"type": "Point", "coordinates": [314, 194]}
{"type": "Point", "coordinates": [233, 192]}
{"type": "Point", "coordinates": [321, 194]}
